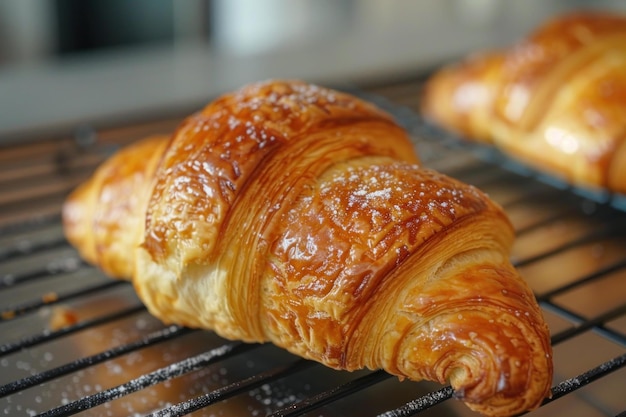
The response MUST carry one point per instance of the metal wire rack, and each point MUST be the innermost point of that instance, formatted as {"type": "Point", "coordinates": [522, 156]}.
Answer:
{"type": "Point", "coordinates": [75, 342]}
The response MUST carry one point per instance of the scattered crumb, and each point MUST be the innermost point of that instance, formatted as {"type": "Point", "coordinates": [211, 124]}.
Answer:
{"type": "Point", "coordinates": [49, 297]}
{"type": "Point", "coordinates": [61, 317]}
{"type": "Point", "coordinates": [8, 315]}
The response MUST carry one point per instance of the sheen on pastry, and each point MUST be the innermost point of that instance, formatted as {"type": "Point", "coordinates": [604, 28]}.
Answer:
{"type": "Point", "coordinates": [555, 100]}
{"type": "Point", "coordinates": [288, 213]}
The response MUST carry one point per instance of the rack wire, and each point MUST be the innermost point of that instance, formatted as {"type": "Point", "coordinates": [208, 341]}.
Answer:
{"type": "Point", "coordinates": [74, 342]}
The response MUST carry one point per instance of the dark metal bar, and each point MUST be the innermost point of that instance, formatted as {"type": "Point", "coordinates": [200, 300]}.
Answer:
{"type": "Point", "coordinates": [558, 391]}
{"type": "Point", "coordinates": [53, 298]}
{"type": "Point", "coordinates": [584, 280]}
{"type": "Point", "coordinates": [82, 363]}
{"type": "Point", "coordinates": [554, 216]}
{"type": "Point", "coordinates": [331, 395]}
{"type": "Point", "coordinates": [47, 335]}
{"type": "Point", "coordinates": [32, 200]}
{"type": "Point", "coordinates": [163, 374]}
{"type": "Point", "coordinates": [581, 324]}
{"type": "Point", "coordinates": [420, 404]}
{"type": "Point", "coordinates": [589, 238]}
{"type": "Point", "coordinates": [572, 384]}
{"type": "Point", "coordinates": [16, 252]}
{"type": "Point", "coordinates": [32, 223]}
{"type": "Point", "coordinates": [10, 280]}
{"type": "Point", "coordinates": [231, 390]}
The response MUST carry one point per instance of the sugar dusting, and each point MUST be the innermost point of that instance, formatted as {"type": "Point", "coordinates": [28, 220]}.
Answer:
{"type": "Point", "coordinates": [381, 197]}
{"type": "Point", "coordinates": [272, 397]}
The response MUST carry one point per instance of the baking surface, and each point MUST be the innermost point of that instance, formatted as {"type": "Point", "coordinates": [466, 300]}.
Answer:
{"type": "Point", "coordinates": [58, 313]}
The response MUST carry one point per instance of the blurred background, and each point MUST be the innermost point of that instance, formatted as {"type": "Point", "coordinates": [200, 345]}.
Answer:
{"type": "Point", "coordinates": [68, 62]}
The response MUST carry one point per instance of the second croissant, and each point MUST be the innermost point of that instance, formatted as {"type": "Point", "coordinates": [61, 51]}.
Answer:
{"type": "Point", "coordinates": [555, 100]}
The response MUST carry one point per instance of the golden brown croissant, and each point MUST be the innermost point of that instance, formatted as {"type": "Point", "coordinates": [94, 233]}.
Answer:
{"type": "Point", "coordinates": [290, 213]}
{"type": "Point", "coordinates": [556, 100]}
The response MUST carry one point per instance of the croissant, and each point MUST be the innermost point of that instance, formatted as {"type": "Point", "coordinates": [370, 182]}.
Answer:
{"type": "Point", "coordinates": [289, 213]}
{"type": "Point", "coordinates": [555, 100]}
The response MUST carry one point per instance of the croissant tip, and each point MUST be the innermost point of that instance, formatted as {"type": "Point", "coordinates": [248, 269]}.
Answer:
{"type": "Point", "coordinates": [73, 214]}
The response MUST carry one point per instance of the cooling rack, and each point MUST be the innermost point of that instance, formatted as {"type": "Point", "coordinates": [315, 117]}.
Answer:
{"type": "Point", "coordinates": [73, 342]}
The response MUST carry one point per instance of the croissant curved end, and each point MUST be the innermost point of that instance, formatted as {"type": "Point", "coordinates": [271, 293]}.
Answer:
{"type": "Point", "coordinates": [493, 348]}
{"type": "Point", "coordinates": [495, 386]}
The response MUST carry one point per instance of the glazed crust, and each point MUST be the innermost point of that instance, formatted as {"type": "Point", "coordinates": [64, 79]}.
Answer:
{"type": "Point", "coordinates": [106, 230]}
{"type": "Point", "coordinates": [555, 99]}
{"type": "Point", "coordinates": [297, 215]}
